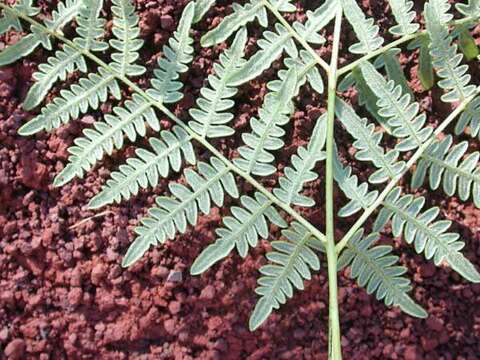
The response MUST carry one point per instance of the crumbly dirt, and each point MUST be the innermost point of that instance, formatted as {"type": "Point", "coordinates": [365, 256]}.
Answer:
{"type": "Point", "coordinates": [63, 293]}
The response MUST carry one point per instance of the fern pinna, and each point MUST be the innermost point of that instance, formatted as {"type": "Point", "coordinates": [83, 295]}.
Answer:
{"type": "Point", "coordinates": [446, 52]}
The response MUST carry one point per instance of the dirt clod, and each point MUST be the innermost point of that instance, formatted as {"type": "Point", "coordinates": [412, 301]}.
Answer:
{"type": "Point", "coordinates": [15, 349]}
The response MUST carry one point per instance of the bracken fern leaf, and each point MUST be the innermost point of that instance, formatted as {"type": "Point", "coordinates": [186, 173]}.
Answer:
{"type": "Point", "coordinates": [404, 15]}
{"type": "Point", "coordinates": [470, 118]}
{"type": "Point", "coordinates": [88, 93]}
{"type": "Point", "coordinates": [241, 16]}
{"type": "Point", "coordinates": [292, 262]}
{"type": "Point", "coordinates": [301, 171]}
{"type": "Point", "coordinates": [147, 167]}
{"type": "Point", "coordinates": [364, 29]}
{"type": "Point", "coordinates": [267, 131]}
{"type": "Point", "coordinates": [428, 235]}
{"type": "Point", "coordinates": [446, 59]}
{"type": "Point", "coordinates": [401, 113]}
{"type": "Point", "coordinates": [450, 167]}
{"type": "Point", "coordinates": [176, 55]}
{"type": "Point", "coordinates": [173, 214]}
{"type": "Point", "coordinates": [210, 118]}
{"type": "Point", "coordinates": [271, 46]}
{"type": "Point", "coordinates": [425, 71]}
{"type": "Point", "coordinates": [367, 143]}
{"type": "Point", "coordinates": [9, 21]}
{"type": "Point", "coordinates": [108, 135]}
{"type": "Point", "coordinates": [316, 21]}
{"type": "Point", "coordinates": [359, 195]}
{"type": "Point", "coordinates": [249, 222]}
{"type": "Point", "coordinates": [390, 61]}
{"type": "Point", "coordinates": [241, 230]}
{"type": "Point", "coordinates": [375, 268]}
{"type": "Point", "coordinates": [93, 90]}
{"type": "Point", "coordinates": [471, 9]}
{"type": "Point", "coordinates": [90, 28]}
{"type": "Point", "coordinates": [64, 13]}
{"type": "Point", "coordinates": [125, 29]}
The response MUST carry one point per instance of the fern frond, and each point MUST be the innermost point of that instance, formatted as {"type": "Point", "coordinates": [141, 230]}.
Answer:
{"type": "Point", "coordinates": [470, 118]}
{"type": "Point", "coordinates": [292, 262]}
{"type": "Point", "coordinates": [291, 184]}
{"type": "Point", "coordinates": [173, 214]}
{"type": "Point", "coordinates": [147, 167]}
{"type": "Point", "coordinates": [108, 135]}
{"type": "Point", "coordinates": [57, 67]}
{"type": "Point", "coordinates": [23, 47]}
{"type": "Point", "coordinates": [241, 230]}
{"type": "Point", "coordinates": [9, 21]}
{"type": "Point", "coordinates": [89, 93]}
{"type": "Point", "coordinates": [307, 71]}
{"type": "Point", "coordinates": [452, 167]}
{"type": "Point", "coordinates": [375, 268]}
{"type": "Point", "coordinates": [201, 8]}
{"type": "Point", "coordinates": [250, 222]}
{"type": "Point", "coordinates": [64, 13]}
{"type": "Point", "coordinates": [404, 15]}
{"type": "Point", "coordinates": [472, 8]}
{"type": "Point", "coordinates": [425, 67]}
{"type": "Point", "coordinates": [90, 28]}
{"type": "Point", "coordinates": [266, 131]}
{"type": "Point", "coordinates": [446, 60]}
{"type": "Point", "coordinates": [428, 235]}
{"type": "Point", "coordinates": [176, 55]}
{"type": "Point", "coordinates": [402, 114]}
{"type": "Point", "coordinates": [316, 21]}
{"type": "Point", "coordinates": [272, 44]}
{"type": "Point", "coordinates": [125, 29]}
{"type": "Point", "coordinates": [367, 143]}
{"type": "Point", "coordinates": [364, 29]}
{"type": "Point", "coordinates": [359, 195]}
{"type": "Point", "coordinates": [312, 72]}
{"type": "Point", "coordinates": [210, 118]}
{"type": "Point", "coordinates": [466, 42]}
{"type": "Point", "coordinates": [389, 60]}
{"type": "Point", "coordinates": [241, 16]}
{"type": "Point", "coordinates": [60, 17]}
{"type": "Point", "coordinates": [366, 97]}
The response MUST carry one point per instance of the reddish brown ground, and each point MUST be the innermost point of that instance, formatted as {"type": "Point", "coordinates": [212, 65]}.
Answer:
{"type": "Point", "coordinates": [64, 294]}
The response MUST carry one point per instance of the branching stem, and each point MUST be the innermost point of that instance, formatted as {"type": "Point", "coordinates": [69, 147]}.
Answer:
{"type": "Point", "coordinates": [347, 68]}
{"type": "Point", "coordinates": [134, 87]}
{"type": "Point", "coordinates": [416, 156]}
{"type": "Point", "coordinates": [297, 37]}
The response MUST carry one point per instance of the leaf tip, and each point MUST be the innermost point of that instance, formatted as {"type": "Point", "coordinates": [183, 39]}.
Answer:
{"type": "Point", "coordinates": [96, 202]}
{"type": "Point", "coordinates": [32, 127]}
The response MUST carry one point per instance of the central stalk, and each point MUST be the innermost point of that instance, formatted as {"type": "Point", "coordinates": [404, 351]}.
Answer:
{"type": "Point", "coordinates": [334, 341]}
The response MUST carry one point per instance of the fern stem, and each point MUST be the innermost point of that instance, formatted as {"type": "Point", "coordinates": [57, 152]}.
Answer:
{"type": "Point", "coordinates": [294, 34]}
{"type": "Point", "coordinates": [418, 154]}
{"type": "Point", "coordinates": [334, 342]}
{"type": "Point", "coordinates": [347, 68]}
{"type": "Point", "coordinates": [288, 209]}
